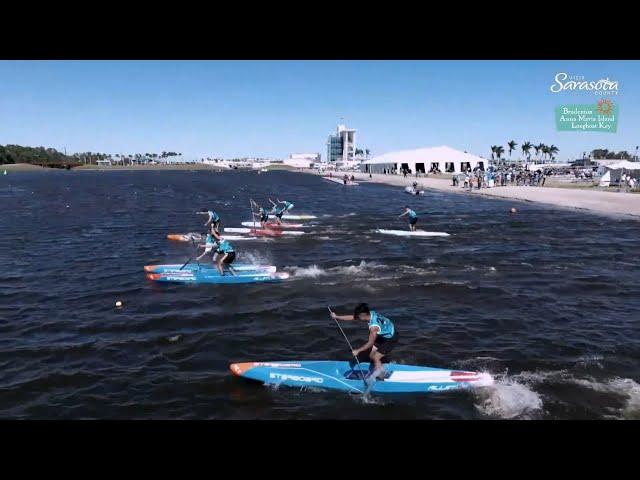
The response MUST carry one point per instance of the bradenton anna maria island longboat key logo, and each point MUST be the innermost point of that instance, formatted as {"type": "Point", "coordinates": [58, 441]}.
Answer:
{"type": "Point", "coordinates": [602, 117]}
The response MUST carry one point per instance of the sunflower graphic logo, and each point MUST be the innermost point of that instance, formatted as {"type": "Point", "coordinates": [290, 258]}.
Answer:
{"type": "Point", "coordinates": [605, 107]}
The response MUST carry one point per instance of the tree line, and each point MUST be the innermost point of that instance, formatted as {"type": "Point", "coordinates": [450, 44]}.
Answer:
{"type": "Point", "coordinates": [544, 152]}
{"type": "Point", "coordinates": [527, 148]}
{"type": "Point", "coordinates": [34, 155]}
{"type": "Point", "coordinates": [603, 153]}
{"type": "Point", "coordinates": [50, 157]}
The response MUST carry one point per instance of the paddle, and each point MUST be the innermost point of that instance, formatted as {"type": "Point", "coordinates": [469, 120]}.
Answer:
{"type": "Point", "coordinates": [191, 257]}
{"type": "Point", "coordinates": [253, 215]}
{"type": "Point", "coordinates": [350, 348]}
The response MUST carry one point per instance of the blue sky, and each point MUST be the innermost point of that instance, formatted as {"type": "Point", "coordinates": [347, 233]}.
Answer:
{"type": "Point", "coordinates": [273, 108]}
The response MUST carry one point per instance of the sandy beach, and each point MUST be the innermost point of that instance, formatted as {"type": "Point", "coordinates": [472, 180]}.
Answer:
{"type": "Point", "coordinates": [607, 203]}
{"type": "Point", "coordinates": [23, 167]}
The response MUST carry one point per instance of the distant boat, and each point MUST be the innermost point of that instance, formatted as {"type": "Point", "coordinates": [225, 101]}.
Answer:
{"type": "Point", "coordinates": [264, 170]}
{"type": "Point", "coordinates": [5, 172]}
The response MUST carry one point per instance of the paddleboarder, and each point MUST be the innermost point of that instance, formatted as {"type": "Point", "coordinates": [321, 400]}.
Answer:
{"type": "Point", "coordinates": [208, 245]}
{"type": "Point", "coordinates": [287, 205]}
{"type": "Point", "coordinates": [382, 335]}
{"type": "Point", "coordinates": [225, 255]}
{"type": "Point", "coordinates": [214, 218]}
{"type": "Point", "coordinates": [264, 215]}
{"type": "Point", "coordinates": [413, 218]}
{"type": "Point", "coordinates": [278, 212]}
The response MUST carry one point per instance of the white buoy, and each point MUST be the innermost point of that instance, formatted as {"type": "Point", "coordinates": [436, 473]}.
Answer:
{"type": "Point", "coordinates": [118, 304]}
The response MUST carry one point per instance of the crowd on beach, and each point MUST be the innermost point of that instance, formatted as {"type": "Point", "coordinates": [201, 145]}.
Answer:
{"type": "Point", "coordinates": [499, 178]}
{"type": "Point", "coordinates": [492, 177]}
{"type": "Point", "coordinates": [628, 182]}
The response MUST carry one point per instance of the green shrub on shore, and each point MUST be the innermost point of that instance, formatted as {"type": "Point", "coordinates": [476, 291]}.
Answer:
{"type": "Point", "coordinates": [48, 157]}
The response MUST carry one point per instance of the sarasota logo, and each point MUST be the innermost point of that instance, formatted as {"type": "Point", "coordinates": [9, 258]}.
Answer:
{"type": "Point", "coordinates": [565, 82]}
{"type": "Point", "coordinates": [605, 107]}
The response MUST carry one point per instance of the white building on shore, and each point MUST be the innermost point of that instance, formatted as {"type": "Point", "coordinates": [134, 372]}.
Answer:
{"type": "Point", "coordinates": [341, 148]}
{"type": "Point", "coordinates": [424, 160]}
{"type": "Point", "coordinates": [302, 160]}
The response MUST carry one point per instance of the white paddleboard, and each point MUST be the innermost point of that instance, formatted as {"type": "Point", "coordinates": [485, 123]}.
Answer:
{"type": "Point", "coordinates": [275, 232]}
{"type": "Point", "coordinates": [411, 191]}
{"type": "Point", "coordinates": [407, 233]}
{"type": "Point", "coordinates": [295, 217]}
{"type": "Point", "coordinates": [236, 237]}
{"type": "Point", "coordinates": [286, 225]}
{"type": "Point", "coordinates": [341, 181]}
{"type": "Point", "coordinates": [198, 237]}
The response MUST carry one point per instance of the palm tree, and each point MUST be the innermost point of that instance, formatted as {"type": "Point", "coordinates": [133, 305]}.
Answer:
{"type": "Point", "coordinates": [553, 150]}
{"type": "Point", "coordinates": [512, 147]}
{"type": "Point", "coordinates": [541, 148]}
{"type": "Point", "coordinates": [545, 151]}
{"type": "Point", "coordinates": [499, 151]}
{"type": "Point", "coordinates": [537, 149]}
{"type": "Point", "coordinates": [367, 151]}
{"type": "Point", "coordinates": [526, 147]}
{"type": "Point", "coordinates": [493, 151]}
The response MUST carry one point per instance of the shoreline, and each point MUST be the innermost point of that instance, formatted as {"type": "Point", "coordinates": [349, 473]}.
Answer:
{"type": "Point", "coordinates": [28, 167]}
{"type": "Point", "coordinates": [612, 204]}
{"type": "Point", "coordinates": [617, 204]}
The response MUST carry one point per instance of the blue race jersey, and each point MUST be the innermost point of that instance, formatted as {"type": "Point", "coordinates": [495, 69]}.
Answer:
{"type": "Point", "coordinates": [384, 325]}
{"type": "Point", "coordinates": [213, 216]}
{"type": "Point", "coordinates": [209, 241]}
{"type": "Point", "coordinates": [412, 214]}
{"type": "Point", "coordinates": [224, 247]}
{"type": "Point", "coordinates": [287, 204]}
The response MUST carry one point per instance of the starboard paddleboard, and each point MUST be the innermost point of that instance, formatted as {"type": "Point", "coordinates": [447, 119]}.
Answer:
{"type": "Point", "coordinates": [341, 375]}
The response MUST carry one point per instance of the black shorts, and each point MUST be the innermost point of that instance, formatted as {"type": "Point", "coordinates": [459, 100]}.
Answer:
{"type": "Point", "coordinates": [279, 215]}
{"type": "Point", "coordinates": [231, 256]}
{"type": "Point", "coordinates": [385, 345]}
{"type": "Point", "coordinates": [264, 218]}
{"type": "Point", "coordinates": [413, 221]}
{"type": "Point", "coordinates": [215, 225]}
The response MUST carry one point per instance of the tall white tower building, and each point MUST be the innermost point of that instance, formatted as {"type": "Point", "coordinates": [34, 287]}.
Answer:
{"type": "Point", "coordinates": [341, 147]}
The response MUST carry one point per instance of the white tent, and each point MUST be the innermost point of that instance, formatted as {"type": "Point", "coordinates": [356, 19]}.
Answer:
{"type": "Point", "coordinates": [614, 172]}
{"type": "Point", "coordinates": [446, 159]}
{"type": "Point", "coordinates": [605, 180]}
{"type": "Point", "coordinates": [626, 164]}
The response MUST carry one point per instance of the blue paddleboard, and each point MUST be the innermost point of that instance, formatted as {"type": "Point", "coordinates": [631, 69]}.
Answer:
{"type": "Point", "coordinates": [340, 375]}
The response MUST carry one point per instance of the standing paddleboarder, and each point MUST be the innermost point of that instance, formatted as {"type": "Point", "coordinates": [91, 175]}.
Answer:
{"type": "Point", "coordinates": [413, 218]}
{"type": "Point", "coordinates": [264, 215]}
{"type": "Point", "coordinates": [287, 205]}
{"type": "Point", "coordinates": [214, 218]}
{"type": "Point", "coordinates": [209, 243]}
{"type": "Point", "coordinates": [224, 253]}
{"type": "Point", "coordinates": [278, 212]}
{"type": "Point", "coordinates": [382, 336]}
